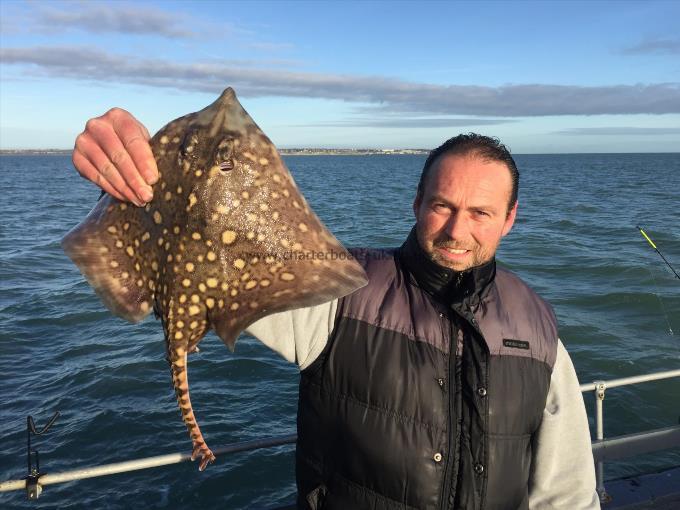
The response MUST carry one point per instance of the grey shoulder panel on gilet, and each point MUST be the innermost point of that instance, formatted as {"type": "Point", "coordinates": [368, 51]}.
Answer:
{"type": "Point", "coordinates": [508, 299]}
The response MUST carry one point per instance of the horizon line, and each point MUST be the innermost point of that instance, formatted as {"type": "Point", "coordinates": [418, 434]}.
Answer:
{"type": "Point", "coordinates": [417, 151]}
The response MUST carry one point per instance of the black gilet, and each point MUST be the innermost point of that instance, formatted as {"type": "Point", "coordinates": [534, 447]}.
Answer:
{"type": "Point", "coordinates": [429, 390]}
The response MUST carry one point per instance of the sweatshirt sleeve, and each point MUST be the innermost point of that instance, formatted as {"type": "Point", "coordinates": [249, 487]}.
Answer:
{"type": "Point", "coordinates": [562, 468]}
{"type": "Point", "coordinates": [298, 335]}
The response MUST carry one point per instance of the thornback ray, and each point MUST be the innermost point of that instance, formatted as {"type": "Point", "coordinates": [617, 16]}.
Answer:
{"type": "Point", "coordinates": [227, 239]}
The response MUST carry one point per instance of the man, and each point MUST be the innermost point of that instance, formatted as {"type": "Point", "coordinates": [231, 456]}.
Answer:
{"type": "Point", "coordinates": [442, 383]}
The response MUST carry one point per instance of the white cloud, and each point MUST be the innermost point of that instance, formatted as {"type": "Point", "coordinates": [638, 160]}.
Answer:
{"type": "Point", "coordinates": [654, 46]}
{"type": "Point", "coordinates": [384, 95]}
{"type": "Point", "coordinates": [120, 17]}
{"type": "Point", "coordinates": [620, 131]}
{"type": "Point", "coordinates": [410, 123]}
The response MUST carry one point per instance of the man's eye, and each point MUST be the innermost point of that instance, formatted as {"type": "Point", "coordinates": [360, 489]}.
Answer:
{"type": "Point", "coordinates": [481, 213]}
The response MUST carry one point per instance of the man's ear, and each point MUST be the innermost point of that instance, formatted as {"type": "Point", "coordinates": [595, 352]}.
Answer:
{"type": "Point", "coordinates": [510, 219]}
{"type": "Point", "coordinates": [417, 202]}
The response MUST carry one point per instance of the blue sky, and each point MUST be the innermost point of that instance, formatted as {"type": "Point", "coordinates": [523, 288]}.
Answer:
{"type": "Point", "coordinates": [542, 76]}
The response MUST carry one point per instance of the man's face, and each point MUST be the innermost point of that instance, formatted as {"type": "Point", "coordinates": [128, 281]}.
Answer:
{"type": "Point", "coordinates": [462, 212]}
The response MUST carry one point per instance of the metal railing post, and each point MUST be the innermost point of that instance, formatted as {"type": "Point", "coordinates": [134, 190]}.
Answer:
{"type": "Point", "coordinates": [600, 388]}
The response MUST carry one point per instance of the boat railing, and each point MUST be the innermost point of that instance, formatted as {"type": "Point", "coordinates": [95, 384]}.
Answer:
{"type": "Point", "coordinates": [603, 449]}
{"type": "Point", "coordinates": [629, 445]}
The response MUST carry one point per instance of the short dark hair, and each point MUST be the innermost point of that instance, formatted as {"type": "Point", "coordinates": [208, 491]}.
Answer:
{"type": "Point", "coordinates": [485, 147]}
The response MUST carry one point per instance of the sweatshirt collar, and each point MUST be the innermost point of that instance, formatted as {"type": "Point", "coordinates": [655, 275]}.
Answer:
{"type": "Point", "coordinates": [445, 284]}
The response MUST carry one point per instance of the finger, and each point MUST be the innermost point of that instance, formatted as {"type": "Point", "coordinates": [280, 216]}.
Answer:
{"type": "Point", "coordinates": [87, 156]}
{"type": "Point", "coordinates": [143, 127]}
{"type": "Point", "coordinates": [106, 169]}
{"type": "Point", "coordinates": [88, 171]}
{"type": "Point", "coordinates": [134, 138]}
{"type": "Point", "coordinates": [106, 137]}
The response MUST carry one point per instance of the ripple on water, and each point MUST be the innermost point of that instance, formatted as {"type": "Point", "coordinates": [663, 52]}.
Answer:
{"type": "Point", "coordinates": [574, 241]}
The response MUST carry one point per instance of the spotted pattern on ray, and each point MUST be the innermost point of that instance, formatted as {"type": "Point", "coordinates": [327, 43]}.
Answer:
{"type": "Point", "coordinates": [227, 239]}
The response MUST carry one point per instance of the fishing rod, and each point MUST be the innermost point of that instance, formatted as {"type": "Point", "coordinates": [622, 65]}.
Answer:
{"type": "Point", "coordinates": [657, 250]}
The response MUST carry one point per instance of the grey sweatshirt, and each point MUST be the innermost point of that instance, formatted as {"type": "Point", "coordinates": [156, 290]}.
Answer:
{"type": "Point", "coordinates": [562, 471]}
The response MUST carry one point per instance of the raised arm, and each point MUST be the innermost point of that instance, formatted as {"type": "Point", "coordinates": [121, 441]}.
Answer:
{"type": "Point", "coordinates": [114, 153]}
{"type": "Point", "coordinates": [298, 335]}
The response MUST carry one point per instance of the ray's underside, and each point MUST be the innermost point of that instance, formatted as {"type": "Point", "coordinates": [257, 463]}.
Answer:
{"type": "Point", "coordinates": [227, 239]}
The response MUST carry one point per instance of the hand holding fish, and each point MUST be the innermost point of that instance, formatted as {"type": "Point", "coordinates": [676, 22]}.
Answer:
{"type": "Point", "coordinates": [114, 152]}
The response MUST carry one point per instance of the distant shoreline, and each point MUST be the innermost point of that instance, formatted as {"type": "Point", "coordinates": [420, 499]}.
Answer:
{"type": "Point", "coordinates": [283, 152]}
{"type": "Point", "coordinates": [35, 152]}
{"type": "Point", "coordinates": [322, 152]}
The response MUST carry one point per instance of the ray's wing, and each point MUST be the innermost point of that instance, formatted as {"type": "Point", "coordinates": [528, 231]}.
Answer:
{"type": "Point", "coordinates": [112, 249]}
{"type": "Point", "coordinates": [286, 281]}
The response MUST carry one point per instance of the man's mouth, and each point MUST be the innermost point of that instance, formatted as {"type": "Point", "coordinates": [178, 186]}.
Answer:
{"type": "Point", "coordinates": [453, 253]}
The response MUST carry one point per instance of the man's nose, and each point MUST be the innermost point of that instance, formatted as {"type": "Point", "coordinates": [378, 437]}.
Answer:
{"type": "Point", "coordinates": [457, 226]}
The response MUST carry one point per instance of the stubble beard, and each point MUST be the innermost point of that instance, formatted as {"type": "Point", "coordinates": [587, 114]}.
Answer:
{"type": "Point", "coordinates": [475, 257]}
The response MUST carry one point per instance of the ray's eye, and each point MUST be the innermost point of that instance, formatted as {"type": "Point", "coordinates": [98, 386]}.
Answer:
{"type": "Point", "coordinates": [189, 146]}
{"type": "Point", "coordinates": [225, 154]}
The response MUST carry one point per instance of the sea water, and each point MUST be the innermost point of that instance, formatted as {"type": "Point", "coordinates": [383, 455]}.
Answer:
{"type": "Point", "coordinates": [575, 242]}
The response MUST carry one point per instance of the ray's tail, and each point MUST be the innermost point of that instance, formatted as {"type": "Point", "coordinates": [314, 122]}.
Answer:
{"type": "Point", "coordinates": [177, 357]}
